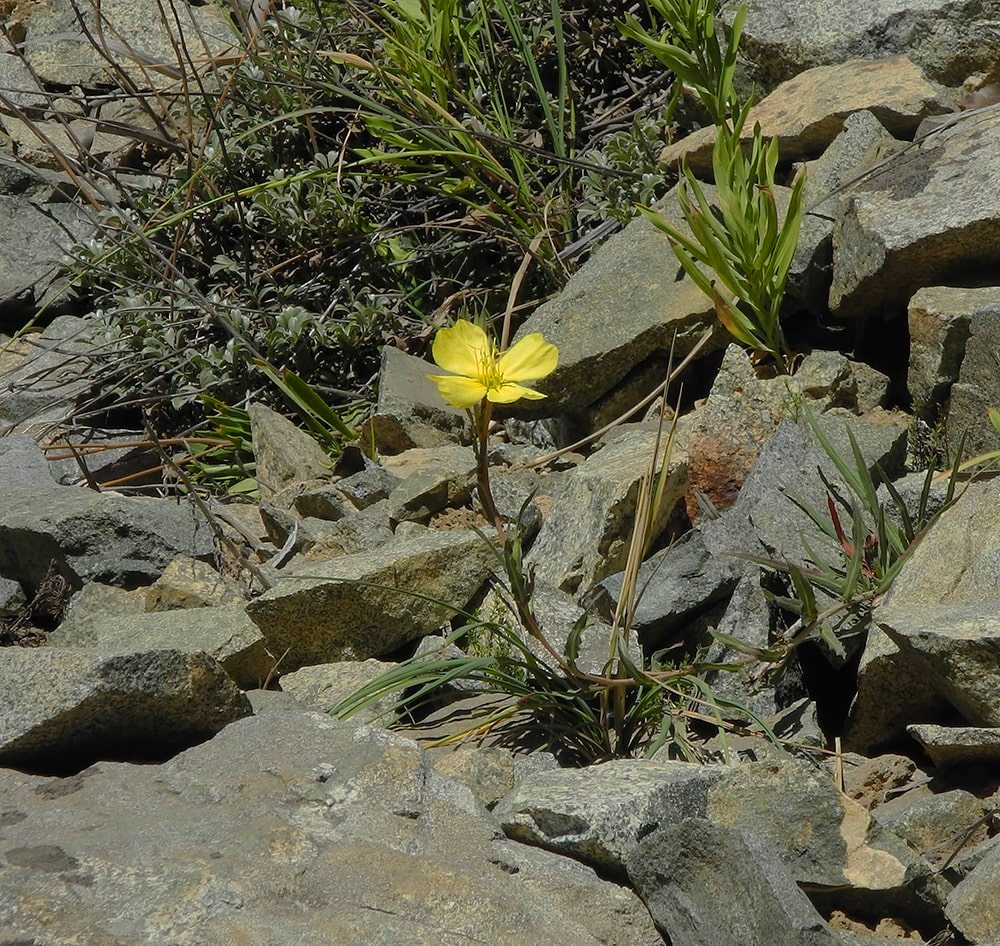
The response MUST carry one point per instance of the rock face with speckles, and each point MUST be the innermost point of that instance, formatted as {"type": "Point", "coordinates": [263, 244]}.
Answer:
{"type": "Point", "coordinates": [358, 606]}
{"type": "Point", "coordinates": [60, 709]}
{"type": "Point", "coordinates": [930, 215]}
{"type": "Point", "coordinates": [948, 39]}
{"type": "Point", "coordinates": [288, 828]}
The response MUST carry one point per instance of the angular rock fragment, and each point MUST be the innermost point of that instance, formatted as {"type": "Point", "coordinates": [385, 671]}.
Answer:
{"type": "Point", "coordinates": [600, 814]}
{"type": "Point", "coordinates": [948, 39]}
{"type": "Point", "coordinates": [364, 605]}
{"type": "Point", "coordinates": [619, 310]}
{"type": "Point", "coordinates": [808, 111]}
{"type": "Point", "coordinates": [707, 885]}
{"type": "Point", "coordinates": [930, 215]}
{"type": "Point", "coordinates": [586, 535]}
{"type": "Point", "coordinates": [224, 633]}
{"type": "Point", "coordinates": [974, 905]}
{"type": "Point", "coordinates": [62, 709]}
{"type": "Point", "coordinates": [956, 647]}
{"type": "Point", "coordinates": [189, 583]}
{"type": "Point", "coordinates": [958, 745]}
{"type": "Point", "coordinates": [409, 412]}
{"type": "Point", "coordinates": [107, 537]}
{"type": "Point", "coordinates": [285, 454]}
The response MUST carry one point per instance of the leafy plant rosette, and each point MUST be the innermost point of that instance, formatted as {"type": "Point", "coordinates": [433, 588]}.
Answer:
{"type": "Point", "coordinates": [546, 699]}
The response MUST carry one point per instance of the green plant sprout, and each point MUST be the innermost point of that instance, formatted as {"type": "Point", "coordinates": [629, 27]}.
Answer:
{"type": "Point", "coordinates": [741, 236]}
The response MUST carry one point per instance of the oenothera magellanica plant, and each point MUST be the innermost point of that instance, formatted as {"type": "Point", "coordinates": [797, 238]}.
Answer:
{"type": "Point", "coordinates": [548, 700]}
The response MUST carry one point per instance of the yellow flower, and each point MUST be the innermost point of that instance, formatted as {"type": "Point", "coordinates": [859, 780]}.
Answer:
{"type": "Point", "coordinates": [478, 371]}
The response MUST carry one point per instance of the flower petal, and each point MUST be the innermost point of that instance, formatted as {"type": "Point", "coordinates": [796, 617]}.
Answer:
{"type": "Point", "coordinates": [530, 359]}
{"type": "Point", "coordinates": [459, 392]}
{"type": "Point", "coordinates": [461, 349]}
{"type": "Point", "coordinates": [507, 393]}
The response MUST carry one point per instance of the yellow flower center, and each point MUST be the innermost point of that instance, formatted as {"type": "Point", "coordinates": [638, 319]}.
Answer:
{"type": "Point", "coordinates": [488, 368]}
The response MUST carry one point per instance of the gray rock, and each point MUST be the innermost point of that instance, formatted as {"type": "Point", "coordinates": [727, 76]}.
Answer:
{"type": "Point", "coordinates": [19, 83]}
{"type": "Point", "coordinates": [289, 828]}
{"type": "Point", "coordinates": [792, 464]}
{"type": "Point", "coordinates": [409, 412]}
{"type": "Point", "coordinates": [678, 584]}
{"type": "Point", "coordinates": [23, 464]}
{"type": "Point", "coordinates": [431, 479]}
{"type": "Point", "coordinates": [557, 614]}
{"type": "Point", "coordinates": [322, 686]}
{"type": "Point", "coordinates": [368, 486]}
{"type": "Point", "coordinates": [224, 633]}
{"type": "Point", "coordinates": [106, 456]}
{"type": "Point", "coordinates": [750, 619]}
{"type": "Point", "coordinates": [707, 885]}
{"type": "Point", "coordinates": [98, 602]}
{"type": "Point", "coordinates": [862, 143]}
{"type": "Point", "coordinates": [978, 386]}
{"type": "Point", "coordinates": [743, 410]}
{"type": "Point", "coordinates": [958, 745]}
{"type": "Point", "coordinates": [359, 532]}
{"type": "Point", "coordinates": [956, 647]}
{"type": "Point", "coordinates": [120, 540]}
{"type": "Point", "coordinates": [927, 215]}
{"type": "Point", "coordinates": [62, 709]}
{"type": "Point", "coordinates": [12, 599]}
{"type": "Point", "coordinates": [285, 454]}
{"type": "Point", "coordinates": [929, 822]}
{"type": "Point", "coordinates": [40, 384]}
{"type": "Point", "coordinates": [974, 905]}
{"type": "Point", "coordinates": [807, 112]}
{"type": "Point", "coordinates": [189, 583]}
{"type": "Point", "coordinates": [368, 604]}
{"type": "Point", "coordinates": [893, 691]}
{"type": "Point", "coordinates": [490, 772]}
{"type": "Point", "coordinates": [948, 39]}
{"type": "Point", "coordinates": [600, 814]}
{"type": "Point", "coordinates": [968, 859]}
{"type": "Point", "coordinates": [940, 321]}
{"type": "Point", "coordinates": [620, 309]}
{"type": "Point", "coordinates": [828, 842]}
{"type": "Point", "coordinates": [321, 500]}
{"type": "Point", "coordinates": [143, 46]}
{"type": "Point", "coordinates": [586, 535]}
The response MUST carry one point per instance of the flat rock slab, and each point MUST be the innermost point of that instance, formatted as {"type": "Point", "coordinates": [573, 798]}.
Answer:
{"type": "Point", "coordinates": [226, 634]}
{"type": "Point", "coordinates": [929, 215]}
{"type": "Point", "coordinates": [601, 813]}
{"type": "Point", "coordinates": [62, 709]}
{"type": "Point", "coordinates": [619, 310]}
{"type": "Point", "coordinates": [957, 649]}
{"type": "Point", "coordinates": [949, 39]}
{"type": "Point", "coordinates": [806, 113]}
{"type": "Point", "coordinates": [106, 537]}
{"type": "Point", "coordinates": [358, 606]}
{"type": "Point", "coordinates": [828, 842]}
{"type": "Point", "coordinates": [288, 828]}
{"type": "Point", "coordinates": [958, 745]}
{"type": "Point", "coordinates": [707, 885]}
